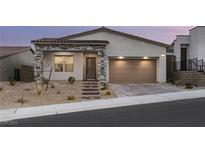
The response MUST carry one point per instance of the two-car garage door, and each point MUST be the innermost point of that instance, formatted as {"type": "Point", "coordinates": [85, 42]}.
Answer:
{"type": "Point", "coordinates": [132, 71]}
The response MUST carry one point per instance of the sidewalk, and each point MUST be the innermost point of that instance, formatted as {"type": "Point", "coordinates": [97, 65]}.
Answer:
{"type": "Point", "coordinates": [20, 113]}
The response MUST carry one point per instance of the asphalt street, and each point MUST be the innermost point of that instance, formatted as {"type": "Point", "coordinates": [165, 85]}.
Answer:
{"type": "Point", "coordinates": [182, 113]}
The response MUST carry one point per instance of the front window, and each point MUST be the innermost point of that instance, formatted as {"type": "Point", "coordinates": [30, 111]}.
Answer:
{"type": "Point", "coordinates": [63, 63]}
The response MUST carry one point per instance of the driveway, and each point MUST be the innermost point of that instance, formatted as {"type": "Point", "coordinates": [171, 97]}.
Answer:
{"type": "Point", "coordinates": [122, 90]}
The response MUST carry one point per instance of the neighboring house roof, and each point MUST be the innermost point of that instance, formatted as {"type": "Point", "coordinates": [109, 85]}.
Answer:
{"type": "Point", "coordinates": [11, 50]}
{"type": "Point", "coordinates": [67, 41]}
{"type": "Point", "coordinates": [106, 30]}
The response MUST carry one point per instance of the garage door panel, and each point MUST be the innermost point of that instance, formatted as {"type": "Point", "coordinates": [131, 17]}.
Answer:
{"type": "Point", "coordinates": [132, 71]}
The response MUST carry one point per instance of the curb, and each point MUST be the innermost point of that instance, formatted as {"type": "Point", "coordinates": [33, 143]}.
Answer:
{"type": "Point", "coordinates": [29, 112]}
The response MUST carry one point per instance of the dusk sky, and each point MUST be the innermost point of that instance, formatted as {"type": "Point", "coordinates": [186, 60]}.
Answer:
{"type": "Point", "coordinates": [23, 35]}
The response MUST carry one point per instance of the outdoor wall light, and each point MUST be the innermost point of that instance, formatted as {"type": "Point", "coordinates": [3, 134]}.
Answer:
{"type": "Point", "coordinates": [162, 55]}
{"type": "Point", "coordinates": [120, 57]}
{"type": "Point", "coordinates": [145, 57]}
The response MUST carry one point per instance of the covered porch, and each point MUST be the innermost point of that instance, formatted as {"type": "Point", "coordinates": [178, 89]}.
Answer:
{"type": "Point", "coordinates": [82, 59]}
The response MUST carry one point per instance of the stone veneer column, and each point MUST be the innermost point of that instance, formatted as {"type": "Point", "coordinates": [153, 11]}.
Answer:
{"type": "Point", "coordinates": [102, 67]}
{"type": "Point", "coordinates": [38, 68]}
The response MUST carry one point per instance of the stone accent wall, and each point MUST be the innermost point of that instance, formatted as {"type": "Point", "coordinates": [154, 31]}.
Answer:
{"type": "Point", "coordinates": [38, 66]}
{"type": "Point", "coordinates": [102, 67]}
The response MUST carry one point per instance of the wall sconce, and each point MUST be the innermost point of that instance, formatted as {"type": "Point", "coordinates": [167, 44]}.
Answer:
{"type": "Point", "coordinates": [120, 57]}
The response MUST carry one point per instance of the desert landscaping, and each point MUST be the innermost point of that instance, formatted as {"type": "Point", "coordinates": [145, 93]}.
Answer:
{"type": "Point", "coordinates": [21, 94]}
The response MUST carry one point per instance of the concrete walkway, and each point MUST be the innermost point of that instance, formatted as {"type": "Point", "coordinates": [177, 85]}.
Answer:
{"type": "Point", "coordinates": [21, 113]}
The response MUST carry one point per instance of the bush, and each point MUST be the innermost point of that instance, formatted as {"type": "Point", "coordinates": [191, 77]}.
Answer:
{"type": "Point", "coordinates": [45, 81]}
{"type": "Point", "coordinates": [39, 92]}
{"type": "Point", "coordinates": [189, 85]}
{"type": "Point", "coordinates": [70, 98]}
{"type": "Point", "coordinates": [21, 100]}
{"type": "Point", "coordinates": [170, 81]}
{"type": "Point", "coordinates": [12, 82]}
{"type": "Point", "coordinates": [108, 93]}
{"type": "Point", "coordinates": [71, 79]}
{"type": "Point", "coordinates": [179, 83]}
{"type": "Point", "coordinates": [52, 85]}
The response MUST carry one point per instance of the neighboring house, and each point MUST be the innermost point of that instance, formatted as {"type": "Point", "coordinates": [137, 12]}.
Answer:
{"type": "Point", "coordinates": [102, 54]}
{"type": "Point", "coordinates": [13, 57]}
{"type": "Point", "coordinates": [189, 50]}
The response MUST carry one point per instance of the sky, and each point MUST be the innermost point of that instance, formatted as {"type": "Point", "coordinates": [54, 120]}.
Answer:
{"type": "Point", "coordinates": [22, 35]}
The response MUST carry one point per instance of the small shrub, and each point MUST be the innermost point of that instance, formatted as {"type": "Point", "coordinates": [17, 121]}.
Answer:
{"type": "Point", "coordinates": [170, 81]}
{"type": "Point", "coordinates": [1, 88]}
{"type": "Point", "coordinates": [108, 93]}
{"type": "Point", "coordinates": [21, 100]}
{"type": "Point", "coordinates": [27, 89]}
{"type": "Point", "coordinates": [45, 81]}
{"type": "Point", "coordinates": [71, 79]}
{"type": "Point", "coordinates": [179, 83]}
{"type": "Point", "coordinates": [189, 85]}
{"type": "Point", "coordinates": [12, 82]}
{"type": "Point", "coordinates": [58, 92]}
{"type": "Point", "coordinates": [71, 98]}
{"type": "Point", "coordinates": [52, 85]}
{"type": "Point", "coordinates": [39, 92]}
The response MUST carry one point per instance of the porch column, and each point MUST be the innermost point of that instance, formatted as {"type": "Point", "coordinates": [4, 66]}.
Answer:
{"type": "Point", "coordinates": [102, 67]}
{"type": "Point", "coordinates": [38, 68]}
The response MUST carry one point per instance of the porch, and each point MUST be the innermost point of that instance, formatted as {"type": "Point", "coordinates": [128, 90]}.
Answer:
{"type": "Point", "coordinates": [83, 59]}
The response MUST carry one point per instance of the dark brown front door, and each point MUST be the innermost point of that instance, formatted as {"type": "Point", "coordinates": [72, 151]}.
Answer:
{"type": "Point", "coordinates": [91, 68]}
{"type": "Point", "coordinates": [183, 59]}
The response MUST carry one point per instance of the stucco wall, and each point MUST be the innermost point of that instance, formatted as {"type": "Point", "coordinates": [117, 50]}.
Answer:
{"type": "Point", "coordinates": [123, 46]}
{"type": "Point", "coordinates": [48, 62]}
{"type": "Point", "coordinates": [9, 63]}
{"type": "Point", "coordinates": [181, 39]}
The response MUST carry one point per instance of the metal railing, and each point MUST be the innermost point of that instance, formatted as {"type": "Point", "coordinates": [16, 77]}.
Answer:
{"type": "Point", "coordinates": [191, 64]}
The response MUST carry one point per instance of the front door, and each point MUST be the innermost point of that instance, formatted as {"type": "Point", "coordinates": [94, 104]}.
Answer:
{"type": "Point", "coordinates": [183, 59]}
{"type": "Point", "coordinates": [91, 68]}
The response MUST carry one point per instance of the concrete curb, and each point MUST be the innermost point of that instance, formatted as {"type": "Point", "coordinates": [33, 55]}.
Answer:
{"type": "Point", "coordinates": [21, 113]}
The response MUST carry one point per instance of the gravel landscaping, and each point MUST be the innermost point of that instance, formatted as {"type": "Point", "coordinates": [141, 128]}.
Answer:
{"type": "Point", "coordinates": [25, 94]}
{"type": "Point", "coordinates": [122, 90]}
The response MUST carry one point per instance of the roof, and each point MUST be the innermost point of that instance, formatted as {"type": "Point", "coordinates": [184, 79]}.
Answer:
{"type": "Point", "coordinates": [66, 39]}
{"type": "Point", "coordinates": [11, 50]}
{"type": "Point", "coordinates": [196, 27]}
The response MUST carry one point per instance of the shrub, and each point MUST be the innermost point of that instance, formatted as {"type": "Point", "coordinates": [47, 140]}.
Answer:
{"type": "Point", "coordinates": [1, 88]}
{"type": "Point", "coordinates": [58, 92]}
{"type": "Point", "coordinates": [21, 100]}
{"type": "Point", "coordinates": [108, 93]}
{"type": "Point", "coordinates": [170, 81]}
{"type": "Point", "coordinates": [189, 85]}
{"type": "Point", "coordinates": [179, 83]}
{"type": "Point", "coordinates": [71, 98]}
{"type": "Point", "coordinates": [71, 79]}
{"type": "Point", "coordinates": [12, 82]}
{"type": "Point", "coordinates": [45, 81]}
{"type": "Point", "coordinates": [39, 92]}
{"type": "Point", "coordinates": [52, 85]}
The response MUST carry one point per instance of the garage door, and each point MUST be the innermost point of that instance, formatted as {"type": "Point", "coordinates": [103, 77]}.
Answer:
{"type": "Point", "coordinates": [132, 71]}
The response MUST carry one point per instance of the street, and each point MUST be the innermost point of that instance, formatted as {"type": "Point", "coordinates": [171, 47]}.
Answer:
{"type": "Point", "coordinates": [180, 113]}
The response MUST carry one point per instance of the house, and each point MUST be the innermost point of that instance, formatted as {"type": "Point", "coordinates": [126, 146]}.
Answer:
{"type": "Point", "coordinates": [189, 50]}
{"type": "Point", "coordinates": [11, 59]}
{"type": "Point", "coordinates": [102, 54]}
{"type": "Point", "coordinates": [188, 57]}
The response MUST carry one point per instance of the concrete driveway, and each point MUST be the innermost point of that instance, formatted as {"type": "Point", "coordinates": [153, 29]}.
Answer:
{"type": "Point", "coordinates": [122, 90]}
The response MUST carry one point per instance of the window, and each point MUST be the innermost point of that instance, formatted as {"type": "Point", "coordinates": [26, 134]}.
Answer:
{"type": "Point", "coordinates": [63, 63]}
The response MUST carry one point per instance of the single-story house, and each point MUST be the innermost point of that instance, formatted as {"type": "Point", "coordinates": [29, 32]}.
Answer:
{"type": "Point", "coordinates": [102, 54]}
{"type": "Point", "coordinates": [12, 58]}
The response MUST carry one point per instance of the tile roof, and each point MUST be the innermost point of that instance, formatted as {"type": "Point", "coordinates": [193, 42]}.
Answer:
{"type": "Point", "coordinates": [67, 41]}
{"type": "Point", "coordinates": [10, 50]}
